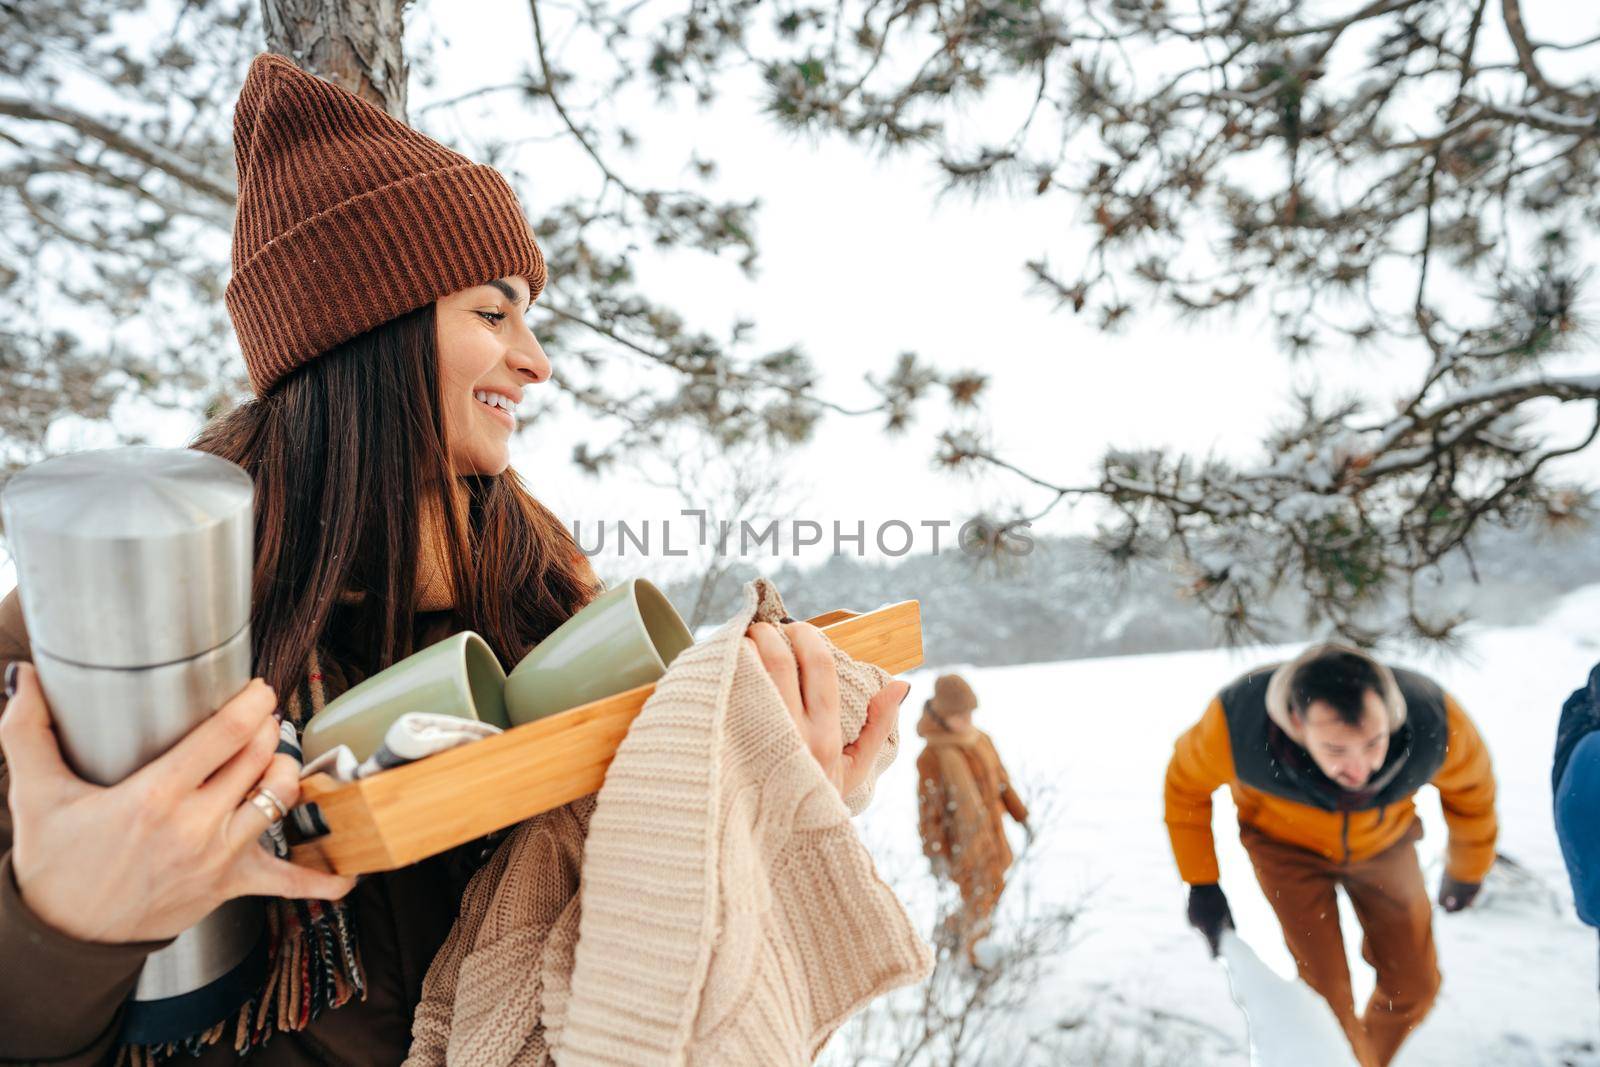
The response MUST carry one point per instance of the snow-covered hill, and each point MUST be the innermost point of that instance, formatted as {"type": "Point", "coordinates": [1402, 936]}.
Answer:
{"type": "Point", "coordinates": [1091, 738]}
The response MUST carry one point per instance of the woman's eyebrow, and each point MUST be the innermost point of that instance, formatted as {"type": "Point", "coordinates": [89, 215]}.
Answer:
{"type": "Point", "coordinates": [505, 287]}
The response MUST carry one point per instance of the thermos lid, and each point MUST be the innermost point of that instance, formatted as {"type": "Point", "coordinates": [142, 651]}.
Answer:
{"type": "Point", "coordinates": [131, 557]}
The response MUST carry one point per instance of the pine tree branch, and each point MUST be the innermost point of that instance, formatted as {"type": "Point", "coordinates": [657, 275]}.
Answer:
{"type": "Point", "coordinates": [561, 110]}
{"type": "Point", "coordinates": [1575, 46]}
{"type": "Point", "coordinates": [1372, 10]}
{"type": "Point", "coordinates": [1501, 396]}
{"type": "Point", "coordinates": [666, 360]}
{"type": "Point", "coordinates": [56, 161]}
{"type": "Point", "coordinates": [1586, 125]}
{"type": "Point", "coordinates": [196, 177]}
{"type": "Point", "coordinates": [1511, 12]}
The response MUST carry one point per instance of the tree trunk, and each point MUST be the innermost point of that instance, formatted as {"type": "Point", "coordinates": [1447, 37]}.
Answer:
{"type": "Point", "coordinates": [355, 44]}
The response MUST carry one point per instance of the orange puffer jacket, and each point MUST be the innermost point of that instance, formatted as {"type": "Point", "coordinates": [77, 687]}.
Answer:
{"type": "Point", "coordinates": [1234, 744]}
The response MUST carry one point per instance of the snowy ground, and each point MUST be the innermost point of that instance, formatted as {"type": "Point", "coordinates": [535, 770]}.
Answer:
{"type": "Point", "coordinates": [1095, 736]}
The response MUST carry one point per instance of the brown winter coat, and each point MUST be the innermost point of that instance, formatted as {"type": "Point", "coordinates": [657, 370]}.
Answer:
{"type": "Point", "coordinates": [962, 793]}
{"type": "Point", "coordinates": [60, 998]}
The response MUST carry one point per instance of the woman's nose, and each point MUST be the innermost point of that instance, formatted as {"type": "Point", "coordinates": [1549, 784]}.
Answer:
{"type": "Point", "coordinates": [527, 358]}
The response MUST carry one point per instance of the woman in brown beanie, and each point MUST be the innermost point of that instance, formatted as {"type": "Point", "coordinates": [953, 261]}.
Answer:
{"type": "Point", "coordinates": [379, 286]}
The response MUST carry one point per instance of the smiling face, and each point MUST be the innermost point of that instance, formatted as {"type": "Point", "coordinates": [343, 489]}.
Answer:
{"type": "Point", "coordinates": [487, 355]}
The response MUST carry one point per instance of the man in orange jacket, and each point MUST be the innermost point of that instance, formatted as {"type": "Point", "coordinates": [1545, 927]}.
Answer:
{"type": "Point", "coordinates": [1323, 756]}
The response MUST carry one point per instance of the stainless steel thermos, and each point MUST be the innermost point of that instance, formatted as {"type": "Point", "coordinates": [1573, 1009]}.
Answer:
{"type": "Point", "coordinates": [134, 570]}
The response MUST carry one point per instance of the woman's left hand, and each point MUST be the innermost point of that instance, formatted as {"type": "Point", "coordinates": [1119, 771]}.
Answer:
{"type": "Point", "coordinates": [809, 683]}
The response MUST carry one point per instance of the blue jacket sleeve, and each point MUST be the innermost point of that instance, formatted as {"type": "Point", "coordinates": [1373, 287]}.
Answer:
{"type": "Point", "coordinates": [1578, 825]}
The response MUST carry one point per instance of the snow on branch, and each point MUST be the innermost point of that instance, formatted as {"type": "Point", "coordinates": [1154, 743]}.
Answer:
{"type": "Point", "coordinates": [1542, 118]}
{"type": "Point", "coordinates": [217, 187]}
{"type": "Point", "coordinates": [1502, 395]}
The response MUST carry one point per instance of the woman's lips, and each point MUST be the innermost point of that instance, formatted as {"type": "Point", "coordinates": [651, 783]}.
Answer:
{"type": "Point", "coordinates": [498, 407]}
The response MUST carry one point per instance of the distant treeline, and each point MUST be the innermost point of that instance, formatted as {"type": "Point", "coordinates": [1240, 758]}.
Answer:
{"type": "Point", "coordinates": [1063, 601]}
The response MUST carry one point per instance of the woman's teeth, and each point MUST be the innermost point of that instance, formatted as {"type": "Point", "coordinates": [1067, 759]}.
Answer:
{"type": "Point", "coordinates": [495, 400]}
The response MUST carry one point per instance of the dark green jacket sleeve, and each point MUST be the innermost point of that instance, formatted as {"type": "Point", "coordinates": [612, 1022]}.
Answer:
{"type": "Point", "coordinates": [60, 998]}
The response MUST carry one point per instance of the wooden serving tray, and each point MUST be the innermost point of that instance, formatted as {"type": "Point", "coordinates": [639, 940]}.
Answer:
{"type": "Point", "coordinates": [408, 813]}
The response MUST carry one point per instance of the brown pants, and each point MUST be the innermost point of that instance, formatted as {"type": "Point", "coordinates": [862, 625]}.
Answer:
{"type": "Point", "coordinates": [980, 895]}
{"type": "Point", "coordinates": [1396, 918]}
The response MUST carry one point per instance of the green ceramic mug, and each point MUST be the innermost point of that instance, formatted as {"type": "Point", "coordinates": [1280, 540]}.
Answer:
{"type": "Point", "coordinates": [457, 676]}
{"type": "Point", "coordinates": [623, 638]}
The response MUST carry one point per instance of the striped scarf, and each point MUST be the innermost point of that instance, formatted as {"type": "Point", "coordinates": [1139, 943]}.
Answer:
{"type": "Point", "coordinates": [313, 961]}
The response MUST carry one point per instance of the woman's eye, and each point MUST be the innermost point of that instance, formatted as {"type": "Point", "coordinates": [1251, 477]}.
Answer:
{"type": "Point", "coordinates": [495, 317]}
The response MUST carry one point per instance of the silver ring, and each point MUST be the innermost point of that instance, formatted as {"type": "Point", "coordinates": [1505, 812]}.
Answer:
{"type": "Point", "coordinates": [267, 802]}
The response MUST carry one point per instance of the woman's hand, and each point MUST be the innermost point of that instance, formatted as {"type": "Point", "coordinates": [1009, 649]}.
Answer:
{"type": "Point", "coordinates": [147, 858]}
{"type": "Point", "coordinates": [809, 684]}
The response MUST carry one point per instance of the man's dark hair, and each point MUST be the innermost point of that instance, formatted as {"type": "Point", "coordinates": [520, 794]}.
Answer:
{"type": "Point", "coordinates": [1339, 678]}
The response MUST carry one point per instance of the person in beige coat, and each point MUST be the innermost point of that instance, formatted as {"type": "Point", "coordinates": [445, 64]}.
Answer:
{"type": "Point", "coordinates": [963, 793]}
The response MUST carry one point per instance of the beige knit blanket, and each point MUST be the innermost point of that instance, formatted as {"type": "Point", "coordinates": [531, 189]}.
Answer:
{"type": "Point", "coordinates": [712, 904]}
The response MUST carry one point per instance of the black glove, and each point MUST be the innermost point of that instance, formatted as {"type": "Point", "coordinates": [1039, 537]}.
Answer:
{"type": "Point", "coordinates": [1454, 895]}
{"type": "Point", "coordinates": [1208, 913]}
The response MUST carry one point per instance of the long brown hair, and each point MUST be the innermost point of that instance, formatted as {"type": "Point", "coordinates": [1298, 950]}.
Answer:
{"type": "Point", "coordinates": [347, 453]}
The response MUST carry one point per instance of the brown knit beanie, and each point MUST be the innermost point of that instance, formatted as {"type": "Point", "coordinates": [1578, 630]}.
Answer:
{"type": "Point", "coordinates": [952, 695]}
{"type": "Point", "coordinates": [348, 218]}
